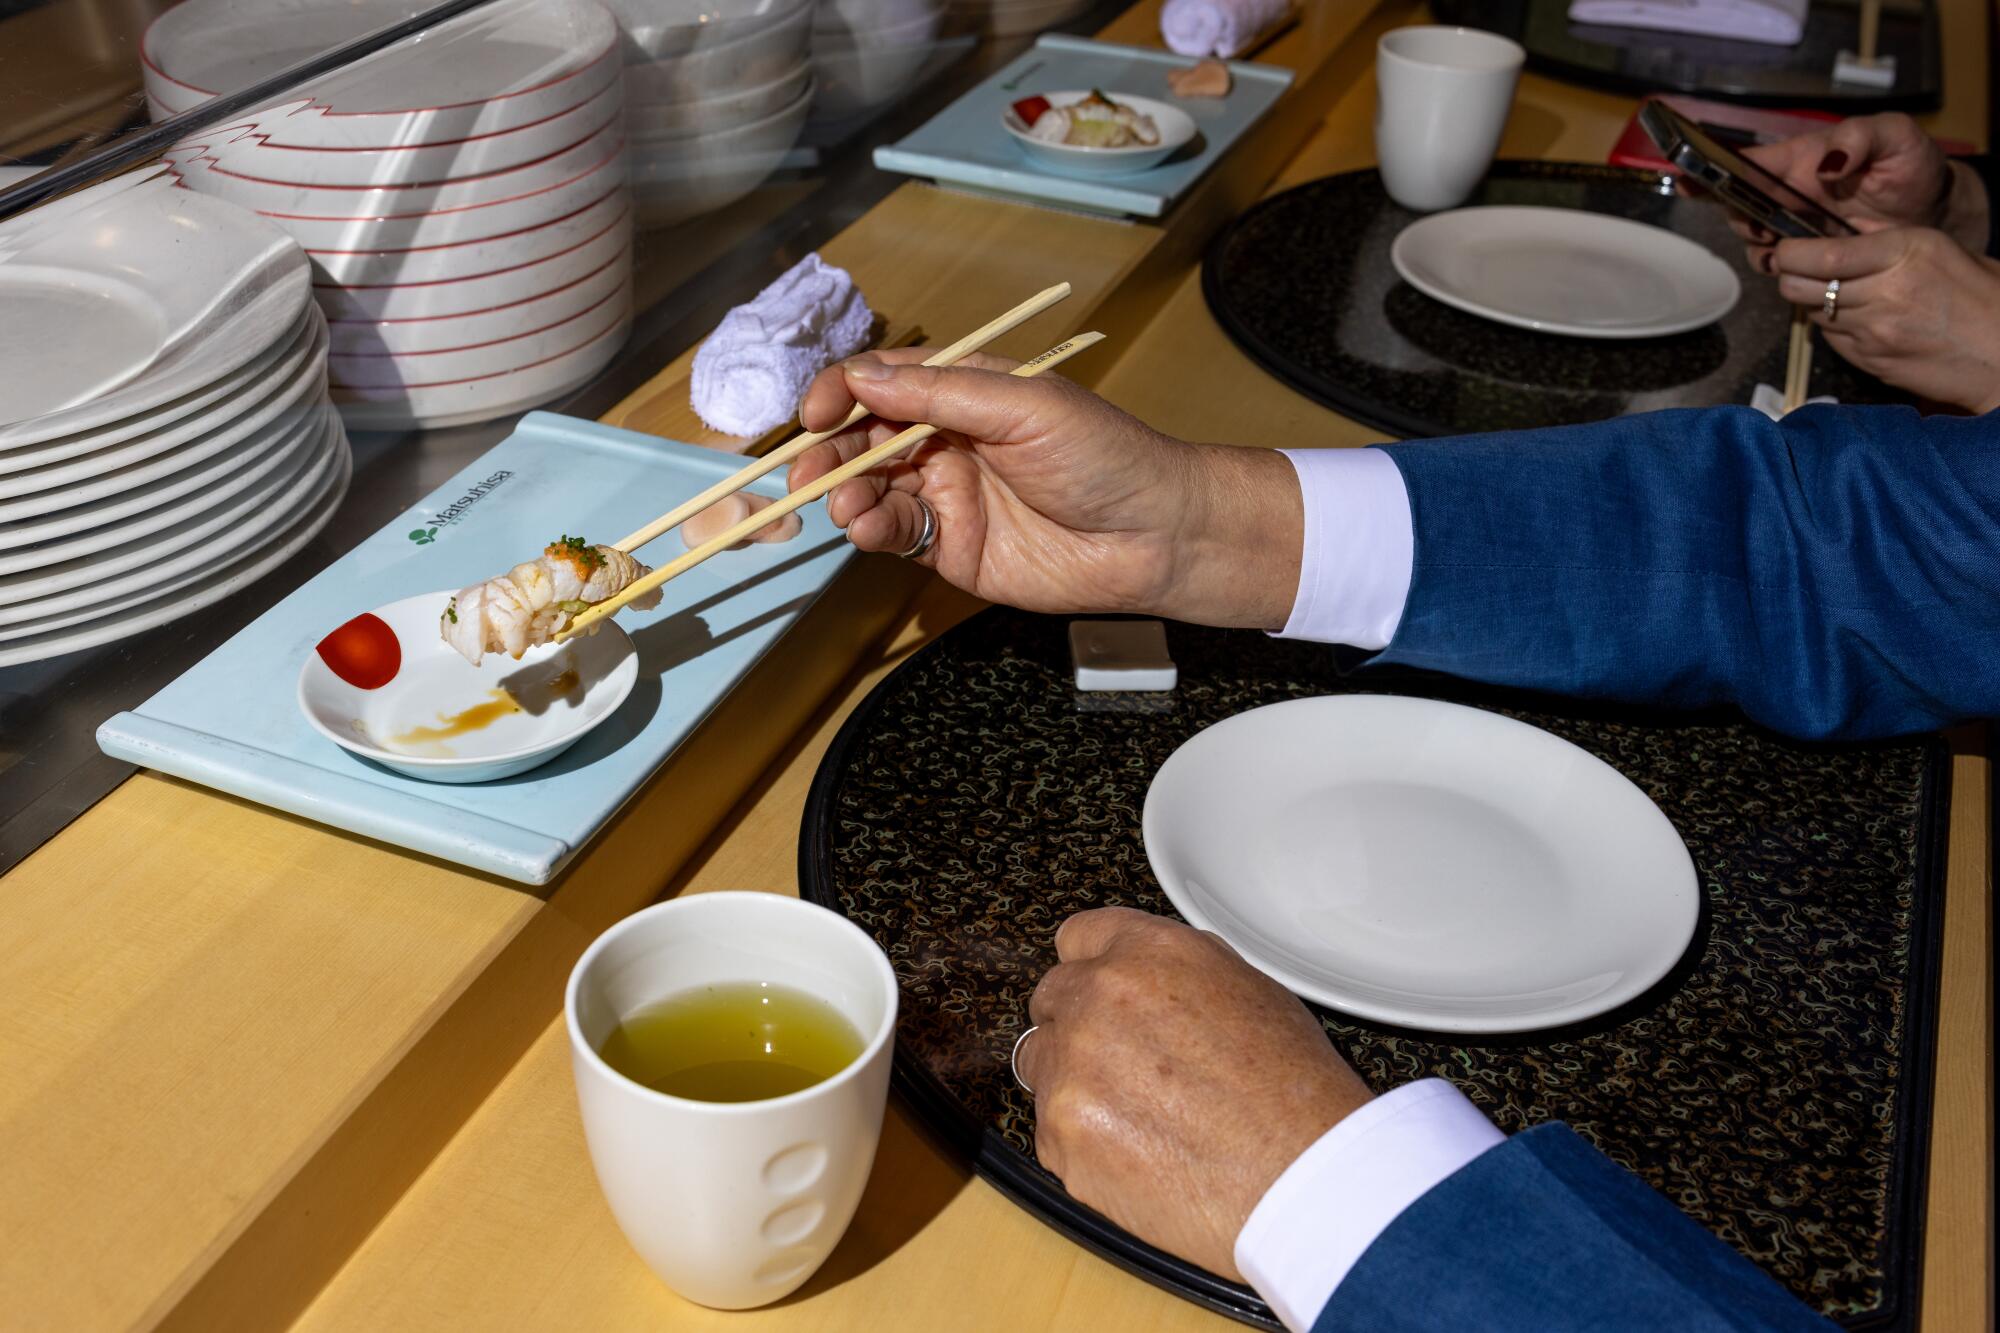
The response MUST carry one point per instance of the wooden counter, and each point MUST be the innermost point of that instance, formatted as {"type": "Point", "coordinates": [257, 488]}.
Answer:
{"type": "Point", "coordinates": [260, 1072]}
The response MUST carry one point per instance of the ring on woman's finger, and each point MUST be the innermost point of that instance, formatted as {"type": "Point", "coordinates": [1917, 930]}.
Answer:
{"type": "Point", "coordinates": [1831, 301]}
{"type": "Point", "coordinates": [1014, 1060]}
{"type": "Point", "coordinates": [924, 541]}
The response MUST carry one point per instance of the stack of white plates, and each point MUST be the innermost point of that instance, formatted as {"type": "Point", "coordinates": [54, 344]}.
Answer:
{"type": "Point", "coordinates": [462, 196]}
{"type": "Point", "coordinates": [716, 93]}
{"type": "Point", "coordinates": [867, 53]}
{"type": "Point", "coordinates": [1006, 18]}
{"type": "Point", "coordinates": [165, 431]}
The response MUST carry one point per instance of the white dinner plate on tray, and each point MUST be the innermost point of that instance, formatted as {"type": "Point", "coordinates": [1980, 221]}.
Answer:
{"type": "Point", "coordinates": [142, 461]}
{"type": "Point", "coordinates": [228, 285]}
{"type": "Point", "coordinates": [509, 716]}
{"type": "Point", "coordinates": [140, 613]}
{"type": "Point", "coordinates": [502, 67]}
{"type": "Point", "coordinates": [1422, 864]}
{"type": "Point", "coordinates": [1566, 271]}
{"type": "Point", "coordinates": [969, 146]}
{"type": "Point", "coordinates": [1176, 127]}
{"type": "Point", "coordinates": [81, 530]}
{"type": "Point", "coordinates": [203, 538]}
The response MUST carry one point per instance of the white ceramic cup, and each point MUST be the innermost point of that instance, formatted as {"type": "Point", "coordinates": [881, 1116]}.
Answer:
{"type": "Point", "coordinates": [732, 1204]}
{"type": "Point", "coordinates": [1441, 101]}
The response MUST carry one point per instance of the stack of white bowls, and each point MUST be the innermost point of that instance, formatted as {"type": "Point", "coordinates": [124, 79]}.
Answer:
{"type": "Point", "coordinates": [867, 53]}
{"type": "Point", "coordinates": [716, 94]}
{"type": "Point", "coordinates": [165, 433]}
{"type": "Point", "coordinates": [1007, 18]}
{"type": "Point", "coordinates": [462, 195]}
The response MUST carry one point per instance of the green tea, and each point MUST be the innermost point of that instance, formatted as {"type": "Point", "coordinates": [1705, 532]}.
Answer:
{"type": "Point", "coordinates": [735, 1042]}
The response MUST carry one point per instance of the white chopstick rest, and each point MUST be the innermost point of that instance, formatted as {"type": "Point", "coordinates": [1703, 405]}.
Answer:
{"type": "Point", "coordinates": [1121, 655]}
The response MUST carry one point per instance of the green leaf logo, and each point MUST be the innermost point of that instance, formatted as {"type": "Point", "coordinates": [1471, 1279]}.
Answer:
{"type": "Point", "coordinates": [423, 536]}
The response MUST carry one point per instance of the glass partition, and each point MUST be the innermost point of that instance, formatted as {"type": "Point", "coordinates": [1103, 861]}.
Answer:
{"type": "Point", "coordinates": [308, 258]}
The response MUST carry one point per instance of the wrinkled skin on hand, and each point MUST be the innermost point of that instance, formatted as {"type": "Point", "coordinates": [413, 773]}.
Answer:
{"type": "Point", "coordinates": [1173, 1081]}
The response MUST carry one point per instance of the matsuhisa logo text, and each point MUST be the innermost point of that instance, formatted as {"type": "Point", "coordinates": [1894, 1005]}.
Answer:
{"type": "Point", "coordinates": [427, 533]}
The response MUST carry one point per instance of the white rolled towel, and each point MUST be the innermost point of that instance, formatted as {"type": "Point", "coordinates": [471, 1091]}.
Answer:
{"type": "Point", "coordinates": [1774, 22]}
{"type": "Point", "coordinates": [752, 372]}
{"type": "Point", "coordinates": [1217, 27]}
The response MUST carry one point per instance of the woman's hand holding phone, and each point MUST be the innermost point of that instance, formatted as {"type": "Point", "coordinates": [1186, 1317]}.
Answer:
{"type": "Point", "coordinates": [1874, 172]}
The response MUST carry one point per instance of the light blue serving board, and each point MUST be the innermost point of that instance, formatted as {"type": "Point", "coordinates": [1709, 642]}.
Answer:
{"type": "Point", "coordinates": [966, 146]}
{"type": "Point", "coordinates": [232, 722]}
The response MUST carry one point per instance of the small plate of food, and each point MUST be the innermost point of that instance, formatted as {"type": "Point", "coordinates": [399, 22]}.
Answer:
{"type": "Point", "coordinates": [468, 686]}
{"type": "Point", "coordinates": [1093, 133]}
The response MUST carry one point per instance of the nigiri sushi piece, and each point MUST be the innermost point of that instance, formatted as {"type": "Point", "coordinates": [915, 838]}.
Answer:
{"type": "Point", "coordinates": [1095, 122]}
{"type": "Point", "coordinates": [532, 603]}
{"type": "Point", "coordinates": [730, 510]}
{"type": "Point", "coordinates": [1207, 78]}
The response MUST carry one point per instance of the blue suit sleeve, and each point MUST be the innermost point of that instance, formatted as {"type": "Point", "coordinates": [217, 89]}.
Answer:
{"type": "Point", "coordinates": [1544, 1233]}
{"type": "Point", "coordinates": [1834, 575]}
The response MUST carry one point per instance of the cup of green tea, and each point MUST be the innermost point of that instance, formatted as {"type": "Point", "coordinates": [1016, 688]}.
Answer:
{"type": "Point", "coordinates": [731, 1053]}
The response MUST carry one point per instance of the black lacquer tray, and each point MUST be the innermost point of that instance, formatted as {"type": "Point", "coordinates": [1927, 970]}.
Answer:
{"type": "Point", "coordinates": [1776, 1086]}
{"type": "Point", "coordinates": [1303, 284]}
{"type": "Point", "coordinates": [1631, 60]}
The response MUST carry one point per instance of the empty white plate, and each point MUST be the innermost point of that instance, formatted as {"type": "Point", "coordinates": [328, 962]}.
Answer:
{"type": "Point", "coordinates": [1562, 270]}
{"type": "Point", "coordinates": [1422, 863]}
{"type": "Point", "coordinates": [442, 719]}
{"type": "Point", "coordinates": [70, 334]}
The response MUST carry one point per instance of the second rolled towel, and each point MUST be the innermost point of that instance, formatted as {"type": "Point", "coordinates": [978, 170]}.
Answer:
{"type": "Point", "coordinates": [1217, 27]}
{"type": "Point", "coordinates": [752, 372]}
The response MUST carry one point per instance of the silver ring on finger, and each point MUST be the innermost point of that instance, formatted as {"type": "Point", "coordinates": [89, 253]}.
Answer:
{"type": "Point", "coordinates": [1830, 303]}
{"type": "Point", "coordinates": [1014, 1061]}
{"type": "Point", "coordinates": [925, 540]}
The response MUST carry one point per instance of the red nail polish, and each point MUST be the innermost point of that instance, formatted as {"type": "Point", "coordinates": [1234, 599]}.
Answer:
{"type": "Point", "coordinates": [1833, 163]}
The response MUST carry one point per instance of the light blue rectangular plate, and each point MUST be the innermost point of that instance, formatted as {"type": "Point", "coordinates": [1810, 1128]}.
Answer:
{"type": "Point", "coordinates": [965, 146]}
{"type": "Point", "coordinates": [233, 721]}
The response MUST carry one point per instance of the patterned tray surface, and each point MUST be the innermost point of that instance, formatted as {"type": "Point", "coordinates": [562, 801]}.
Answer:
{"type": "Point", "coordinates": [1303, 283]}
{"type": "Point", "coordinates": [1772, 1086]}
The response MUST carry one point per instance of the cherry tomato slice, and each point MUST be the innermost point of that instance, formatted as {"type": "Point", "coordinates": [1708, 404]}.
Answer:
{"type": "Point", "coordinates": [363, 652]}
{"type": "Point", "coordinates": [1030, 109]}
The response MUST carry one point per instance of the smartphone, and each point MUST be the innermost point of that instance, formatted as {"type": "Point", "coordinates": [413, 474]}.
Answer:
{"type": "Point", "coordinates": [1735, 179]}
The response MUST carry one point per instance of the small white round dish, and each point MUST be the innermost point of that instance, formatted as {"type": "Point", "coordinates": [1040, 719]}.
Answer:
{"type": "Point", "coordinates": [1421, 863]}
{"type": "Point", "coordinates": [1177, 130]}
{"type": "Point", "coordinates": [444, 298]}
{"type": "Point", "coordinates": [503, 717]}
{"type": "Point", "coordinates": [1566, 271]}
{"type": "Point", "coordinates": [677, 179]}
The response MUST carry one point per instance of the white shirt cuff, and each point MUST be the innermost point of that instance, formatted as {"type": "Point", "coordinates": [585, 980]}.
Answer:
{"type": "Point", "coordinates": [1319, 1217]}
{"type": "Point", "coordinates": [1354, 574]}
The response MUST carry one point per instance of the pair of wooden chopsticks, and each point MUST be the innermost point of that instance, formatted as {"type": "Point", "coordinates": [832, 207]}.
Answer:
{"type": "Point", "coordinates": [785, 453]}
{"type": "Point", "coordinates": [1798, 360]}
